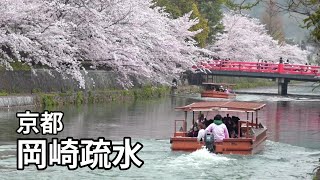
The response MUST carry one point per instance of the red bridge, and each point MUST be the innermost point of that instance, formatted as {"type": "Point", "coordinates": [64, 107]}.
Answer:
{"type": "Point", "coordinates": [282, 72]}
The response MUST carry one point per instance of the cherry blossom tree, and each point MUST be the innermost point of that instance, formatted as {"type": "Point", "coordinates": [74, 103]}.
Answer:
{"type": "Point", "coordinates": [128, 37]}
{"type": "Point", "coordinates": [246, 39]}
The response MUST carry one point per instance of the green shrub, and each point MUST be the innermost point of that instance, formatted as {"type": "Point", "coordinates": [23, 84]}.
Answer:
{"type": "Point", "coordinates": [19, 66]}
{"type": "Point", "coordinates": [49, 100]}
{"type": "Point", "coordinates": [90, 97]}
{"type": "Point", "coordinates": [3, 93]}
{"type": "Point", "coordinates": [79, 98]}
{"type": "Point", "coordinates": [147, 92]}
{"type": "Point", "coordinates": [36, 90]}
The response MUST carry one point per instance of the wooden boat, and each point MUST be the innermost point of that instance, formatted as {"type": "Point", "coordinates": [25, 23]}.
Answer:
{"type": "Point", "coordinates": [251, 134]}
{"type": "Point", "coordinates": [218, 90]}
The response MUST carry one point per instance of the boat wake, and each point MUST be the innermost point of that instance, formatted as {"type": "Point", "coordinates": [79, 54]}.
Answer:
{"type": "Point", "coordinates": [204, 154]}
{"type": "Point", "coordinates": [200, 158]}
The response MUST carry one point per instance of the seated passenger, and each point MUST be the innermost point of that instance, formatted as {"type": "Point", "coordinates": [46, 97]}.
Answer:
{"type": "Point", "coordinates": [228, 122]}
{"type": "Point", "coordinates": [232, 132]}
{"type": "Point", "coordinates": [235, 121]}
{"type": "Point", "coordinates": [221, 89]}
{"type": "Point", "coordinates": [193, 132]}
{"type": "Point", "coordinates": [201, 119]}
{"type": "Point", "coordinates": [226, 119]}
{"type": "Point", "coordinates": [208, 122]}
{"type": "Point", "coordinates": [218, 129]}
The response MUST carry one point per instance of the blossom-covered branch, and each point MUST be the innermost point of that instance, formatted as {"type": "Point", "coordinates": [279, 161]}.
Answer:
{"type": "Point", "coordinates": [246, 39]}
{"type": "Point", "coordinates": [126, 36]}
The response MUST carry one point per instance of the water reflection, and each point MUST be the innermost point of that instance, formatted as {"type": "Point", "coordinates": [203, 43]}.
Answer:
{"type": "Point", "coordinates": [294, 122]}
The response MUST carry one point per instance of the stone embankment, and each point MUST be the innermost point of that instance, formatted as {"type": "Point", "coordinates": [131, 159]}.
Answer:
{"type": "Point", "coordinates": [83, 97]}
{"type": "Point", "coordinates": [11, 101]}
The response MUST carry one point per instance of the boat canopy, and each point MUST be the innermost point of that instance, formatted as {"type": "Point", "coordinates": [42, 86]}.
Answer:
{"type": "Point", "coordinates": [218, 84]}
{"type": "Point", "coordinates": [222, 106]}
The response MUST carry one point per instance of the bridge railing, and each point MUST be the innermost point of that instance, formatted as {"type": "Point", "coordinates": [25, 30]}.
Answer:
{"type": "Point", "coordinates": [301, 69]}
{"type": "Point", "coordinates": [226, 65]}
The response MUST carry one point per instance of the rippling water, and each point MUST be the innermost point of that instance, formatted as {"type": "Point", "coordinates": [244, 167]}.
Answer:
{"type": "Point", "coordinates": [278, 161]}
{"type": "Point", "coordinates": [292, 150]}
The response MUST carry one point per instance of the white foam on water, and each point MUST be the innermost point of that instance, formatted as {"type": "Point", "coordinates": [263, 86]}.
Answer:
{"type": "Point", "coordinates": [277, 161]}
{"type": "Point", "coordinates": [307, 99]}
{"type": "Point", "coordinates": [303, 99]}
{"type": "Point", "coordinates": [113, 125]}
{"type": "Point", "coordinates": [7, 156]}
{"type": "Point", "coordinates": [199, 159]}
{"type": "Point", "coordinates": [7, 147]}
{"type": "Point", "coordinates": [258, 98]}
{"type": "Point", "coordinates": [243, 97]}
{"type": "Point", "coordinates": [204, 154]}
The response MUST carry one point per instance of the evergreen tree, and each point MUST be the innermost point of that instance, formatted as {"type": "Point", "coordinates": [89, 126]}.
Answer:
{"type": "Point", "coordinates": [203, 24]}
{"type": "Point", "coordinates": [211, 10]}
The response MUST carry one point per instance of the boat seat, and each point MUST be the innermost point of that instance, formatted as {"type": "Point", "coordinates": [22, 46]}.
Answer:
{"type": "Point", "coordinates": [180, 134]}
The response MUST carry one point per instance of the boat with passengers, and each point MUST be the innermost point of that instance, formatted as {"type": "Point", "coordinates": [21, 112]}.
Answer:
{"type": "Point", "coordinates": [218, 90]}
{"type": "Point", "coordinates": [251, 134]}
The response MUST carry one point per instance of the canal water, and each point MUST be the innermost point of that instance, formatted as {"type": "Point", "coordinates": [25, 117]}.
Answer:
{"type": "Point", "coordinates": [292, 150]}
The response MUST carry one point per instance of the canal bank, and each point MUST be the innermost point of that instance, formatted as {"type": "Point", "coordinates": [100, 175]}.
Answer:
{"type": "Point", "coordinates": [83, 97]}
{"type": "Point", "coordinates": [22, 87]}
{"type": "Point", "coordinates": [38, 98]}
{"type": "Point", "coordinates": [21, 100]}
